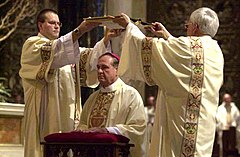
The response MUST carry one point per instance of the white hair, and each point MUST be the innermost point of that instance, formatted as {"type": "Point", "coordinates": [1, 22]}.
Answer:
{"type": "Point", "coordinates": [206, 19]}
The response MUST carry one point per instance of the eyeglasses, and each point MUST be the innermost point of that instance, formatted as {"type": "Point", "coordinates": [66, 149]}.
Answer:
{"type": "Point", "coordinates": [55, 23]}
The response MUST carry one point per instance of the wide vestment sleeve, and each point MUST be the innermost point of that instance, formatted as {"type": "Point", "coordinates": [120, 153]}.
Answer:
{"type": "Point", "coordinates": [155, 60]}
{"type": "Point", "coordinates": [36, 59]}
{"type": "Point", "coordinates": [41, 57]}
{"type": "Point", "coordinates": [129, 65]}
{"type": "Point", "coordinates": [88, 64]}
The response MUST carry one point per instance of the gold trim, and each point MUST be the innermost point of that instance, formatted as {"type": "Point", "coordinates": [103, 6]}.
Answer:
{"type": "Point", "coordinates": [194, 99]}
{"type": "Point", "coordinates": [99, 114]}
{"type": "Point", "coordinates": [146, 60]}
{"type": "Point", "coordinates": [45, 55]}
{"type": "Point", "coordinates": [82, 66]}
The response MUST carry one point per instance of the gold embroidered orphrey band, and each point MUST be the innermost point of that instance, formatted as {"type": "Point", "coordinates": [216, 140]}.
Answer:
{"type": "Point", "coordinates": [99, 114]}
{"type": "Point", "coordinates": [194, 99]}
{"type": "Point", "coordinates": [45, 55]}
{"type": "Point", "coordinates": [83, 60]}
{"type": "Point", "coordinates": [146, 59]}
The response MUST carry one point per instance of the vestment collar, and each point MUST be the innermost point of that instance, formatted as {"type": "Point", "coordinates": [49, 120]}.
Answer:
{"type": "Point", "coordinates": [116, 85]}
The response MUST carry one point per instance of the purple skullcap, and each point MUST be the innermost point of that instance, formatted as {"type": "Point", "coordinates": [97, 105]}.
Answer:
{"type": "Point", "coordinates": [114, 55]}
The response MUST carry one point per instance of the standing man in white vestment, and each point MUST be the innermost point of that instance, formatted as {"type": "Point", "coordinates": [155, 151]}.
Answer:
{"type": "Point", "coordinates": [227, 122]}
{"type": "Point", "coordinates": [49, 89]}
{"type": "Point", "coordinates": [116, 108]}
{"type": "Point", "coordinates": [189, 73]}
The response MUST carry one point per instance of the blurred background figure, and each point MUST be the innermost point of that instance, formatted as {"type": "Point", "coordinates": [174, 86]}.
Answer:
{"type": "Point", "coordinates": [150, 109]}
{"type": "Point", "coordinates": [227, 122]}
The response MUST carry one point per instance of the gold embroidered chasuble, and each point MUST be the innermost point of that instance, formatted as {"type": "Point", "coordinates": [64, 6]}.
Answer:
{"type": "Point", "coordinates": [99, 114]}
{"type": "Point", "coordinates": [49, 93]}
{"type": "Point", "coordinates": [189, 73]}
{"type": "Point", "coordinates": [118, 106]}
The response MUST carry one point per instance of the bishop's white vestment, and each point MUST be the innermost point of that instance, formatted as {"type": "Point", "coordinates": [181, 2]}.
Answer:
{"type": "Point", "coordinates": [121, 106]}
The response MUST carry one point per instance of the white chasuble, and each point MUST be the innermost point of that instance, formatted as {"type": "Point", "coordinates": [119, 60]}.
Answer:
{"type": "Point", "coordinates": [189, 73]}
{"type": "Point", "coordinates": [118, 106]}
{"type": "Point", "coordinates": [49, 89]}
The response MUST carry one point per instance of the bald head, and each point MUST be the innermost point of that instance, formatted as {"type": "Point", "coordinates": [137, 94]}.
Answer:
{"type": "Point", "coordinates": [227, 98]}
{"type": "Point", "coordinates": [151, 101]}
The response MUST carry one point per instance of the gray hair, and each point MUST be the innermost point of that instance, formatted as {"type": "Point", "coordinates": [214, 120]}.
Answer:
{"type": "Point", "coordinates": [206, 19]}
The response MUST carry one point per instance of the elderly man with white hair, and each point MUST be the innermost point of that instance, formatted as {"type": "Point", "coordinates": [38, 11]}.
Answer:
{"type": "Point", "coordinates": [188, 72]}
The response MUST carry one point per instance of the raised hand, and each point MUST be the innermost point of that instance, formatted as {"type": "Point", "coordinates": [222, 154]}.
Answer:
{"type": "Point", "coordinates": [122, 20]}
{"type": "Point", "coordinates": [83, 28]}
{"type": "Point", "coordinates": [111, 33]}
{"type": "Point", "coordinates": [159, 30]}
